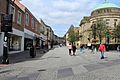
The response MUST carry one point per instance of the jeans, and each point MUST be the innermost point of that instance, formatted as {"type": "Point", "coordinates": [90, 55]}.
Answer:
{"type": "Point", "coordinates": [102, 54]}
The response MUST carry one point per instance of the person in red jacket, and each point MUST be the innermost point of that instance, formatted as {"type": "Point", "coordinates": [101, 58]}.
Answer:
{"type": "Point", "coordinates": [102, 49]}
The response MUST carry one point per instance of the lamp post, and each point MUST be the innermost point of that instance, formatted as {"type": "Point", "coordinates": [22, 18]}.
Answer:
{"type": "Point", "coordinates": [6, 26]}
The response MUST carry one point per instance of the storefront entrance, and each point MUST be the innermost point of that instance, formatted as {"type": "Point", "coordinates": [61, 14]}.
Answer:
{"type": "Point", "coordinates": [28, 43]}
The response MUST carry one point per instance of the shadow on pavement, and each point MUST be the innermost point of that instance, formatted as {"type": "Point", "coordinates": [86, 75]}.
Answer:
{"type": "Point", "coordinates": [24, 56]}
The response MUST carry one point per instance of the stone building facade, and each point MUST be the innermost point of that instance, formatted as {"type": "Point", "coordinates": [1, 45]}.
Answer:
{"type": "Point", "coordinates": [108, 12]}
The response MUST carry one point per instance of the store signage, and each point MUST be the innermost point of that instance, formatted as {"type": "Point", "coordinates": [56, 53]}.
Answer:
{"type": "Point", "coordinates": [6, 23]}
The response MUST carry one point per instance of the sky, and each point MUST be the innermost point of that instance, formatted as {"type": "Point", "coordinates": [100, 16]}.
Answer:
{"type": "Point", "coordinates": [61, 14]}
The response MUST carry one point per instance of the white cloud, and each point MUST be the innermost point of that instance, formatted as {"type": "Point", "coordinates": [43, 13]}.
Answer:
{"type": "Point", "coordinates": [60, 12]}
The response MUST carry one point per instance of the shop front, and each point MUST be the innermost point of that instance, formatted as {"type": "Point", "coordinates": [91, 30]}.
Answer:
{"type": "Point", "coordinates": [42, 41]}
{"type": "Point", "coordinates": [37, 42]}
{"type": "Point", "coordinates": [14, 42]}
{"type": "Point", "coordinates": [28, 41]}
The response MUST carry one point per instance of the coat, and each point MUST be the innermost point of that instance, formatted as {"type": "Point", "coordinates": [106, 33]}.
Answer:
{"type": "Point", "coordinates": [102, 48]}
{"type": "Point", "coordinates": [74, 48]}
{"type": "Point", "coordinates": [69, 46]}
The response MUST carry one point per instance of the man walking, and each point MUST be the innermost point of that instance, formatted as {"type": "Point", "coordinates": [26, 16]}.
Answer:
{"type": "Point", "coordinates": [74, 49]}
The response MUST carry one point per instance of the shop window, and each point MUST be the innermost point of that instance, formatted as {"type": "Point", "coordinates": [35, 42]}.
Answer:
{"type": "Point", "coordinates": [15, 43]}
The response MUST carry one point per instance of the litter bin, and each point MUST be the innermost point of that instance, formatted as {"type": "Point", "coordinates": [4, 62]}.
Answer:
{"type": "Point", "coordinates": [32, 52]}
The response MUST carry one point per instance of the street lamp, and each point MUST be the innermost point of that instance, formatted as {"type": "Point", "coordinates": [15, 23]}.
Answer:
{"type": "Point", "coordinates": [6, 26]}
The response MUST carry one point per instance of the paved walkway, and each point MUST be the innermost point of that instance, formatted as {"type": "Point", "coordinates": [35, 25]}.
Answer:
{"type": "Point", "coordinates": [58, 65]}
{"type": "Point", "coordinates": [23, 56]}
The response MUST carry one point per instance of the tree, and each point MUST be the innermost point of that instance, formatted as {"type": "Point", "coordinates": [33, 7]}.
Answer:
{"type": "Point", "coordinates": [99, 29]}
{"type": "Point", "coordinates": [117, 31]}
{"type": "Point", "coordinates": [72, 35]}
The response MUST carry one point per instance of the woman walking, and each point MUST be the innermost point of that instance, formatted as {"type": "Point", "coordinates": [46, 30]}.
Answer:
{"type": "Point", "coordinates": [70, 48]}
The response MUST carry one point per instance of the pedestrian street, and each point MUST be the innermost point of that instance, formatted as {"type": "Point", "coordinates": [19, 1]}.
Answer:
{"type": "Point", "coordinates": [57, 64]}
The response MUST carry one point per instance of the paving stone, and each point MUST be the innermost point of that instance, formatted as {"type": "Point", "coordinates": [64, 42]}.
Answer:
{"type": "Point", "coordinates": [23, 78]}
{"type": "Point", "coordinates": [92, 67]}
{"type": "Point", "coordinates": [85, 76]}
{"type": "Point", "coordinates": [65, 73]}
{"type": "Point", "coordinates": [67, 78]}
{"type": "Point", "coordinates": [12, 78]}
{"type": "Point", "coordinates": [79, 69]}
{"type": "Point", "coordinates": [33, 76]}
{"type": "Point", "coordinates": [116, 60]}
{"type": "Point", "coordinates": [110, 63]}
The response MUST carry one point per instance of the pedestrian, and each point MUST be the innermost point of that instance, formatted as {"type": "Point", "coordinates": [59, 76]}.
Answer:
{"type": "Point", "coordinates": [89, 46]}
{"type": "Point", "coordinates": [70, 48]}
{"type": "Point", "coordinates": [102, 49]}
{"type": "Point", "coordinates": [81, 48]}
{"type": "Point", "coordinates": [93, 49]}
{"type": "Point", "coordinates": [118, 48]}
{"type": "Point", "coordinates": [74, 49]}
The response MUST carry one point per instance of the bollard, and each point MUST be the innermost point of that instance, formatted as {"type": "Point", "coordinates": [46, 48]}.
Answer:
{"type": "Point", "coordinates": [32, 52]}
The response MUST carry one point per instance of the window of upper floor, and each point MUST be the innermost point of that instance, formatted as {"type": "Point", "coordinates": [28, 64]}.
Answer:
{"type": "Point", "coordinates": [107, 19]}
{"type": "Point", "coordinates": [27, 19]}
{"type": "Point", "coordinates": [12, 11]}
{"type": "Point", "coordinates": [35, 26]}
{"type": "Point", "coordinates": [19, 16]}
{"type": "Point", "coordinates": [107, 23]}
{"type": "Point", "coordinates": [32, 23]}
{"type": "Point", "coordinates": [108, 10]}
{"type": "Point", "coordinates": [115, 20]}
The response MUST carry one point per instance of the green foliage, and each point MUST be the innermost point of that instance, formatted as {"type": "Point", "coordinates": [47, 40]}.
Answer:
{"type": "Point", "coordinates": [117, 31]}
{"type": "Point", "coordinates": [73, 36]}
{"type": "Point", "coordinates": [99, 29]}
